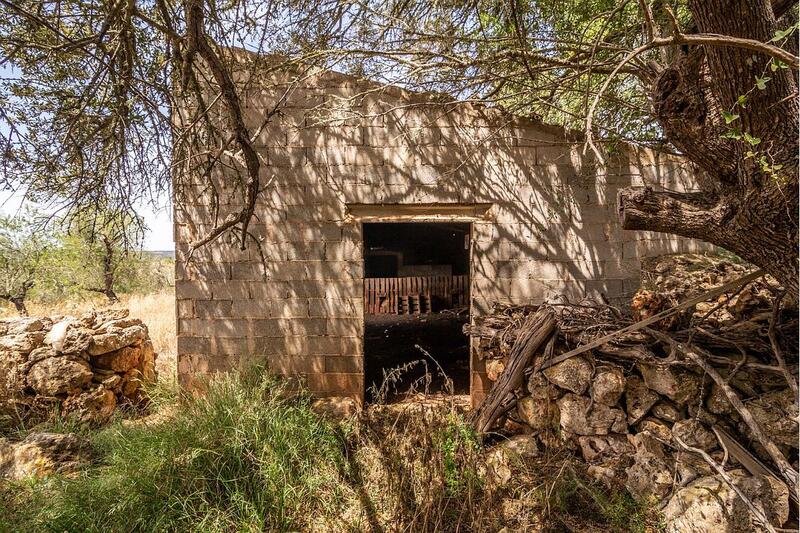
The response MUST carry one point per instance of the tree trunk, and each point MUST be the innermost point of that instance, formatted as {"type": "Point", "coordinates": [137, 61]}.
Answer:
{"type": "Point", "coordinates": [745, 207]}
{"type": "Point", "coordinates": [19, 304]}
{"type": "Point", "coordinates": [108, 271]}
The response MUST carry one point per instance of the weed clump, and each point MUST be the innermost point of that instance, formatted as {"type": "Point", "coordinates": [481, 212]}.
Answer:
{"type": "Point", "coordinates": [246, 456]}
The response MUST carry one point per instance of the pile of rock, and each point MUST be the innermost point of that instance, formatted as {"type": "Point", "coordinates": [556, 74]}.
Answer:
{"type": "Point", "coordinates": [630, 408]}
{"type": "Point", "coordinates": [84, 366]}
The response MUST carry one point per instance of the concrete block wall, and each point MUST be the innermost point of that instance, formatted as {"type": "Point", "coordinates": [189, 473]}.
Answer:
{"type": "Point", "coordinates": [294, 297]}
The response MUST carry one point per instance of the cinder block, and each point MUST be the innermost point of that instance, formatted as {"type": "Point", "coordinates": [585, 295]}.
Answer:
{"type": "Point", "coordinates": [266, 327]}
{"type": "Point", "coordinates": [336, 383]}
{"type": "Point", "coordinates": [336, 307]}
{"type": "Point", "coordinates": [611, 288]}
{"type": "Point", "coordinates": [343, 327]}
{"type": "Point", "coordinates": [335, 345]}
{"type": "Point", "coordinates": [344, 364]}
{"type": "Point", "coordinates": [286, 157]}
{"type": "Point", "coordinates": [230, 346]}
{"type": "Point", "coordinates": [192, 290]}
{"type": "Point", "coordinates": [185, 308]}
{"type": "Point", "coordinates": [266, 290]}
{"type": "Point", "coordinates": [247, 271]}
{"type": "Point", "coordinates": [305, 251]}
{"type": "Point", "coordinates": [213, 308]}
{"type": "Point", "coordinates": [297, 364]}
{"type": "Point", "coordinates": [258, 308]}
{"type": "Point", "coordinates": [303, 326]}
{"type": "Point", "coordinates": [268, 346]}
{"type": "Point", "coordinates": [290, 308]}
{"type": "Point", "coordinates": [199, 345]}
{"type": "Point", "coordinates": [230, 290]}
{"type": "Point", "coordinates": [343, 251]}
{"type": "Point", "coordinates": [224, 327]}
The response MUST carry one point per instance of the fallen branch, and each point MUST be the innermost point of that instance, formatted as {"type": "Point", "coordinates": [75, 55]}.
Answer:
{"type": "Point", "coordinates": [749, 461]}
{"type": "Point", "coordinates": [776, 348]}
{"type": "Point", "coordinates": [698, 356]}
{"type": "Point", "coordinates": [758, 515]}
{"type": "Point", "coordinates": [534, 333]}
{"type": "Point", "coordinates": [714, 293]}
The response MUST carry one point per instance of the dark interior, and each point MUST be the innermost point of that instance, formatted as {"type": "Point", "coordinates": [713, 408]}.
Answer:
{"type": "Point", "coordinates": [416, 351]}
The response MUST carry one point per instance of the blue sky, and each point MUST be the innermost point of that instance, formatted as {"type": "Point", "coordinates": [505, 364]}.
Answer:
{"type": "Point", "coordinates": [158, 219]}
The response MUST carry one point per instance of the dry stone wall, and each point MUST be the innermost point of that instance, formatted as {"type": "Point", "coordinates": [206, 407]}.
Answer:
{"type": "Point", "coordinates": [297, 299]}
{"type": "Point", "coordinates": [84, 366]}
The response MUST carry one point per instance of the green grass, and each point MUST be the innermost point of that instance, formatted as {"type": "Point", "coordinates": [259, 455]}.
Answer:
{"type": "Point", "coordinates": [251, 456]}
{"type": "Point", "coordinates": [244, 457]}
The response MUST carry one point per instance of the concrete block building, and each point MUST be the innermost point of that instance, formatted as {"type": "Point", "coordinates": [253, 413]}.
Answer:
{"type": "Point", "coordinates": [341, 153]}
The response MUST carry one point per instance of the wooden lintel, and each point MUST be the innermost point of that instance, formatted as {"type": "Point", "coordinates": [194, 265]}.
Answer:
{"type": "Point", "coordinates": [418, 212]}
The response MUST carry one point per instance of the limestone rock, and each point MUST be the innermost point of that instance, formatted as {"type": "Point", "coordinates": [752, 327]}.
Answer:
{"type": "Point", "coordinates": [59, 375]}
{"type": "Point", "coordinates": [120, 360]}
{"type": "Point", "coordinates": [709, 505]}
{"type": "Point", "coordinates": [147, 362]}
{"type": "Point", "coordinates": [335, 407]}
{"type": "Point", "coordinates": [540, 415]}
{"type": "Point", "coordinates": [574, 374]}
{"type": "Point", "coordinates": [40, 354]}
{"type": "Point", "coordinates": [116, 339]}
{"type": "Point", "coordinates": [21, 342]}
{"type": "Point", "coordinates": [501, 460]}
{"type": "Point", "coordinates": [667, 412]}
{"type": "Point", "coordinates": [24, 325]}
{"type": "Point", "coordinates": [524, 446]}
{"type": "Point", "coordinates": [717, 403]}
{"type": "Point", "coordinates": [12, 373]}
{"type": "Point", "coordinates": [608, 457]}
{"type": "Point", "coordinates": [655, 428]}
{"type": "Point", "coordinates": [638, 399]}
{"type": "Point", "coordinates": [690, 466]}
{"type": "Point", "coordinates": [694, 434]}
{"type": "Point", "coordinates": [494, 367]}
{"type": "Point", "coordinates": [541, 389]}
{"type": "Point", "coordinates": [598, 447]}
{"type": "Point", "coordinates": [650, 476]}
{"type": "Point", "coordinates": [111, 382]}
{"type": "Point", "coordinates": [41, 454]}
{"type": "Point", "coordinates": [608, 386]}
{"type": "Point", "coordinates": [77, 340]}
{"type": "Point", "coordinates": [91, 407]}
{"type": "Point", "coordinates": [579, 415]}
{"type": "Point", "coordinates": [96, 319]}
{"type": "Point", "coordinates": [679, 385]}
{"type": "Point", "coordinates": [117, 324]}
{"type": "Point", "coordinates": [131, 384]}
{"type": "Point", "coordinates": [777, 413]}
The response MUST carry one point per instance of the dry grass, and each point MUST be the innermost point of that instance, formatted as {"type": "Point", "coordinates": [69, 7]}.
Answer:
{"type": "Point", "coordinates": [156, 310]}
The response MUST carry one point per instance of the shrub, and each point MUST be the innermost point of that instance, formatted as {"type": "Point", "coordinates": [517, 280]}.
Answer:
{"type": "Point", "coordinates": [247, 456]}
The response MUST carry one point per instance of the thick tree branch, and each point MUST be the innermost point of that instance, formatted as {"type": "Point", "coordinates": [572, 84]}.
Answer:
{"type": "Point", "coordinates": [695, 215]}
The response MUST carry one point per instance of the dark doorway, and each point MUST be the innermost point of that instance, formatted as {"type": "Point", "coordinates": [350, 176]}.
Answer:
{"type": "Point", "coordinates": [416, 293]}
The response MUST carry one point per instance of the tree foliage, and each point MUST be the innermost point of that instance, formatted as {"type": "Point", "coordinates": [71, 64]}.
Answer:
{"type": "Point", "coordinates": [23, 253]}
{"type": "Point", "coordinates": [89, 109]}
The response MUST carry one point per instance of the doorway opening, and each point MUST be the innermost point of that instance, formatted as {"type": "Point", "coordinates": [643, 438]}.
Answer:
{"type": "Point", "coordinates": [416, 302]}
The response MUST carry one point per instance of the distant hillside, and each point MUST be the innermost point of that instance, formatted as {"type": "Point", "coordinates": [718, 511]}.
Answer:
{"type": "Point", "coordinates": [161, 253]}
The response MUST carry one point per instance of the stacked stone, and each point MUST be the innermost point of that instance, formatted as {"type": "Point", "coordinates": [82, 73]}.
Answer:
{"type": "Point", "coordinates": [86, 366]}
{"type": "Point", "coordinates": [624, 423]}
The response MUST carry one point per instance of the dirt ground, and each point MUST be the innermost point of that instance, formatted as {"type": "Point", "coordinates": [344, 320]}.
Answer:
{"type": "Point", "coordinates": [390, 348]}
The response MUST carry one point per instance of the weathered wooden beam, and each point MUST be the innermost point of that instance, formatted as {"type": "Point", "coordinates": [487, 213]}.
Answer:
{"type": "Point", "coordinates": [538, 327]}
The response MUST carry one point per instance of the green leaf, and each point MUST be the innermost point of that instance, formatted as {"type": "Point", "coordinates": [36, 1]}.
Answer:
{"type": "Point", "coordinates": [729, 117]}
{"type": "Point", "coordinates": [742, 100]}
{"type": "Point", "coordinates": [753, 141]}
{"type": "Point", "coordinates": [761, 83]}
{"type": "Point", "coordinates": [749, 154]}
{"type": "Point", "coordinates": [782, 34]}
{"type": "Point", "coordinates": [732, 133]}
